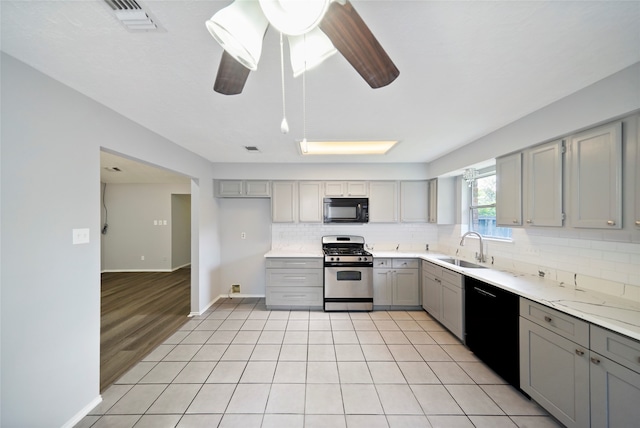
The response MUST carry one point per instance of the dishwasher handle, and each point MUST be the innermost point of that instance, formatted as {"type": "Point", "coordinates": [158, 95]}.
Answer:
{"type": "Point", "coordinates": [484, 293]}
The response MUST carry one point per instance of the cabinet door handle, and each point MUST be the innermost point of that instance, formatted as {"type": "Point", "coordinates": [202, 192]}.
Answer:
{"type": "Point", "coordinates": [515, 221]}
{"type": "Point", "coordinates": [637, 222]}
{"type": "Point", "coordinates": [579, 352]}
{"type": "Point", "coordinates": [595, 360]}
{"type": "Point", "coordinates": [529, 221]}
{"type": "Point", "coordinates": [611, 223]}
{"type": "Point", "coordinates": [547, 318]}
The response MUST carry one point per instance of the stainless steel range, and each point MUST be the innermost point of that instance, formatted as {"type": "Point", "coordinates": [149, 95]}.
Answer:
{"type": "Point", "coordinates": [348, 274]}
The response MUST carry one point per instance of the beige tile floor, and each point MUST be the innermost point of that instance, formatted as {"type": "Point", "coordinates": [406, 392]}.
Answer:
{"type": "Point", "coordinates": [240, 365]}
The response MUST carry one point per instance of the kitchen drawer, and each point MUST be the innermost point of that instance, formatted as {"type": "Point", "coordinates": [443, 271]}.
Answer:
{"type": "Point", "coordinates": [432, 268]}
{"type": "Point", "coordinates": [565, 325]}
{"type": "Point", "coordinates": [294, 296]}
{"type": "Point", "coordinates": [452, 278]}
{"type": "Point", "coordinates": [381, 263]}
{"type": "Point", "coordinates": [295, 277]}
{"type": "Point", "coordinates": [621, 349]}
{"type": "Point", "coordinates": [405, 263]}
{"type": "Point", "coordinates": [295, 263]}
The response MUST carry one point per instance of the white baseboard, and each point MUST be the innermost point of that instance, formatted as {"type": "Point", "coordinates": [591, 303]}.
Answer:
{"type": "Point", "coordinates": [180, 267]}
{"type": "Point", "coordinates": [225, 296]}
{"type": "Point", "coordinates": [82, 413]}
{"type": "Point", "coordinates": [146, 270]}
{"type": "Point", "coordinates": [136, 270]}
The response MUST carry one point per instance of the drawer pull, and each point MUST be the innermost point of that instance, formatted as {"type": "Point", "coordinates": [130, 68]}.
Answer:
{"type": "Point", "coordinates": [611, 223]}
{"type": "Point", "coordinates": [293, 296]}
{"type": "Point", "coordinates": [295, 278]}
{"type": "Point", "coordinates": [579, 352]}
{"type": "Point", "coordinates": [595, 360]}
{"type": "Point", "coordinates": [547, 318]}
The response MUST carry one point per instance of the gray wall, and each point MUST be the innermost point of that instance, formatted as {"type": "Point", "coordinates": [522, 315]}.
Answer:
{"type": "Point", "coordinates": [180, 231]}
{"type": "Point", "coordinates": [242, 260]}
{"type": "Point", "coordinates": [50, 307]}
{"type": "Point", "coordinates": [610, 98]}
{"type": "Point", "coordinates": [134, 210]}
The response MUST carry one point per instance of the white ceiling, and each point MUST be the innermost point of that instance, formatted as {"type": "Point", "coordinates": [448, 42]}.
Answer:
{"type": "Point", "coordinates": [466, 69]}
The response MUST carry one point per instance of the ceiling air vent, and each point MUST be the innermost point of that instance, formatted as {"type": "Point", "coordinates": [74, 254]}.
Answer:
{"type": "Point", "coordinates": [252, 149]}
{"type": "Point", "coordinates": [132, 16]}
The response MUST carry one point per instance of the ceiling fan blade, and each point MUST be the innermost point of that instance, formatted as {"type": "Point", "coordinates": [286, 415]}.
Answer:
{"type": "Point", "coordinates": [231, 76]}
{"type": "Point", "coordinates": [351, 36]}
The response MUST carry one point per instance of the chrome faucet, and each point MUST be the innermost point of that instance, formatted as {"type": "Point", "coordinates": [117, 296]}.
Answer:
{"type": "Point", "coordinates": [480, 257]}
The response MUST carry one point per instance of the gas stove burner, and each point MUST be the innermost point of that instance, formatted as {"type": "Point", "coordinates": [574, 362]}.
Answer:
{"type": "Point", "coordinates": [345, 251]}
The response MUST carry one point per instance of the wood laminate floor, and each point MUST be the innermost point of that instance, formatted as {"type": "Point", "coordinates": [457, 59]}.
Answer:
{"type": "Point", "coordinates": [139, 310]}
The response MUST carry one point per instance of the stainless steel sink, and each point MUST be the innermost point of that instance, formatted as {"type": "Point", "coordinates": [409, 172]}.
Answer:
{"type": "Point", "coordinates": [462, 263]}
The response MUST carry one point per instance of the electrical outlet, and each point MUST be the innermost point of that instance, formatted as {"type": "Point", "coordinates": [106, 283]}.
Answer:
{"type": "Point", "coordinates": [235, 288]}
{"type": "Point", "coordinates": [141, 257]}
{"type": "Point", "coordinates": [243, 235]}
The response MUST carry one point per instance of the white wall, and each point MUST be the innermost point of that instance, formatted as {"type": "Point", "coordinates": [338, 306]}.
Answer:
{"type": "Point", "coordinates": [133, 211]}
{"type": "Point", "coordinates": [322, 171]}
{"type": "Point", "coordinates": [242, 260]}
{"type": "Point", "coordinates": [50, 308]}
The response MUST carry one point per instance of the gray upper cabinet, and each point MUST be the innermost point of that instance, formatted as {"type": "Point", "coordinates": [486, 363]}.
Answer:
{"type": "Point", "coordinates": [595, 159]}
{"type": "Point", "coordinates": [509, 190]}
{"type": "Point", "coordinates": [284, 202]}
{"type": "Point", "coordinates": [636, 185]}
{"type": "Point", "coordinates": [414, 202]}
{"type": "Point", "coordinates": [345, 188]}
{"type": "Point", "coordinates": [543, 185]}
{"type": "Point", "coordinates": [442, 203]}
{"type": "Point", "coordinates": [383, 202]}
{"type": "Point", "coordinates": [310, 201]}
{"type": "Point", "coordinates": [242, 188]}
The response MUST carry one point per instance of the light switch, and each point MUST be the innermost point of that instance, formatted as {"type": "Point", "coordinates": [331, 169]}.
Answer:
{"type": "Point", "coordinates": [164, 222]}
{"type": "Point", "coordinates": [80, 236]}
{"type": "Point", "coordinates": [155, 222]}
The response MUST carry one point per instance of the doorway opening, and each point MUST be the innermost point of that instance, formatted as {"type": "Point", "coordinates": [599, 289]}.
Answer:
{"type": "Point", "coordinates": [146, 280]}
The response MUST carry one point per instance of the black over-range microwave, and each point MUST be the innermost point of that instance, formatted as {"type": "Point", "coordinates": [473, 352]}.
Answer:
{"type": "Point", "coordinates": [346, 210]}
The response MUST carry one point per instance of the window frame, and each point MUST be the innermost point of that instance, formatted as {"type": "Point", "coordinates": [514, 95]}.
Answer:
{"type": "Point", "coordinates": [471, 208]}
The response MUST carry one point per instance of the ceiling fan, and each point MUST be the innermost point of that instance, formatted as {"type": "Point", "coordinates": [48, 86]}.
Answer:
{"type": "Point", "coordinates": [334, 24]}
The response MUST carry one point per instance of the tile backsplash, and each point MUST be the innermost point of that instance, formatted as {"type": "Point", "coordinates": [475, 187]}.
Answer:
{"type": "Point", "coordinates": [575, 259]}
{"type": "Point", "coordinates": [608, 267]}
{"type": "Point", "coordinates": [409, 236]}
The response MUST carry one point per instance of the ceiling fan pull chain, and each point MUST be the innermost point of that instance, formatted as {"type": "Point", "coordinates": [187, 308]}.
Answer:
{"type": "Point", "coordinates": [284, 126]}
{"type": "Point", "coordinates": [304, 98]}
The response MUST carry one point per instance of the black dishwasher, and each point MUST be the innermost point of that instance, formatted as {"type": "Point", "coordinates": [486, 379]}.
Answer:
{"type": "Point", "coordinates": [491, 320]}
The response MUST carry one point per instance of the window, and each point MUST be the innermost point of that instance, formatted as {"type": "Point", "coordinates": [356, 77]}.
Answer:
{"type": "Point", "coordinates": [482, 208]}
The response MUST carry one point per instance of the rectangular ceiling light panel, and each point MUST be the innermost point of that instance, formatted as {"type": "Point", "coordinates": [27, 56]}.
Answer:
{"type": "Point", "coordinates": [346, 147]}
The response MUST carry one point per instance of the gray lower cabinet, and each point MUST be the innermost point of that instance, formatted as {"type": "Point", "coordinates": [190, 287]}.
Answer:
{"type": "Point", "coordinates": [294, 283]}
{"type": "Point", "coordinates": [443, 296]}
{"type": "Point", "coordinates": [614, 379]}
{"type": "Point", "coordinates": [396, 282]}
{"type": "Point", "coordinates": [554, 362]}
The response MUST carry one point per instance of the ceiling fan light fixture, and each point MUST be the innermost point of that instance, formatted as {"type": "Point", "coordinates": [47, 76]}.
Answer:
{"type": "Point", "coordinates": [309, 50]}
{"type": "Point", "coordinates": [294, 17]}
{"type": "Point", "coordinates": [345, 147]}
{"type": "Point", "coordinates": [240, 28]}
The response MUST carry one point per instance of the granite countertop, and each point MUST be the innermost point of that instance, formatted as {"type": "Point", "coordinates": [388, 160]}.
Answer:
{"type": "Point", "coordinates": [611, 312]}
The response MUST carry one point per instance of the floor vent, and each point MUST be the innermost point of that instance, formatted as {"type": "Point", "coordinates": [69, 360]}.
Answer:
{"type": "Point", "coordinates": [132, 16]}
